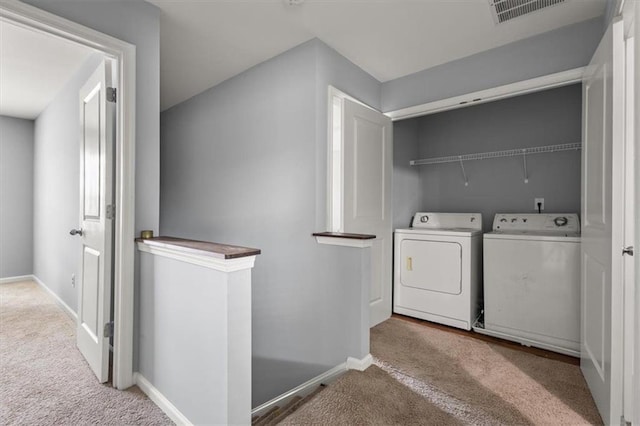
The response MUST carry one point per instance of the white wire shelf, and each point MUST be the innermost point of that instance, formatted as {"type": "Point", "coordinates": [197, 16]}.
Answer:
{"type": "Point", "coordinates": [497, 154]}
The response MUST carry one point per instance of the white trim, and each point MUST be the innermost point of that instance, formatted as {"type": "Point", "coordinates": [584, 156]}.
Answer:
{"type": "Point", "coordinates": [66, 308]}
{"type": "Point", "coordinates": [303, 390]}
{"type": "Point", "coordinates": [359, 364]}
{"type": "Point", "coordinates": [16, 279]}
{"type": "Point", "coordinates": [345, 242]}
{"type": "Point", "coordinates": [222, 265]}
{"type": "Point", "coordinates": [160, 400]}
{"type": "Point", "coordinates": [630, 329]}
{"type": "Point", "coordinates": [537, 84]}
{"type": "Point", "coordinates": [35, 19]}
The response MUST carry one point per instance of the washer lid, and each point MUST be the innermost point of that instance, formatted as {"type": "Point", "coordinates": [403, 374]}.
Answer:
{"type": "Point", "coordinates": [569, 237]}
{"type": "Point", "coordinates": [444, 232]}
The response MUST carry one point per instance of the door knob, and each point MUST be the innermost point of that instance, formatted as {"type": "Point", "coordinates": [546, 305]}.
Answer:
{"type": "Point", "coordinates": [628, 250]}
{"type": "Point", "coordinates": [76, 231]}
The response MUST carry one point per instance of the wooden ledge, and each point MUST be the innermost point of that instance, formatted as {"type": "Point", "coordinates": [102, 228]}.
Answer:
{"type": "Point", "coordinates": [216, 250]}
{"type": "Point", "coordinates": [344, 235]}
{"type": "Point", "coordinates": [344, 239]}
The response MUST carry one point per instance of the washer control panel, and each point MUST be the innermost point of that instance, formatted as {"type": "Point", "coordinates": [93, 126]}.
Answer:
{"type": "Point", "coordinates": [471, 221]}
{"type": "Point", "coordinates": [530, 222]}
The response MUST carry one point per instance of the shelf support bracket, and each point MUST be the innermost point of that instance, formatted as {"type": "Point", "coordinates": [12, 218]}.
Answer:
{"type": "Point", "coordinates": [464, 175]}
{"type": "Point", "coordinates": [524, 161]}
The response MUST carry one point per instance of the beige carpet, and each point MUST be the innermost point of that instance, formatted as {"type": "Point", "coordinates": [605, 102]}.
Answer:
{"type": "Point", "coordinates": [43, 378]}
{"type": "Point", "coordinates": [428, 376]}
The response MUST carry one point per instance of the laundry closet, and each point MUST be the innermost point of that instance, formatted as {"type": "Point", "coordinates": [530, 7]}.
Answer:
{"type": "Point", "coordinates": [518, 161]}
{"type": "Point", "coordinates": [495, 185]}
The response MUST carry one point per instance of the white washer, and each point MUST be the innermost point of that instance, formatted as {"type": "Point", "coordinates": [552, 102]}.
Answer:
{"type": "Point", "coordinates": [437, 268]}
{"type": "Point", "coordinates": [532, 281]}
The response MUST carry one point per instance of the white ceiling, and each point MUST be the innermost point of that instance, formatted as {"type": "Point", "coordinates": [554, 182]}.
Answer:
{"type": "Point", "coordinates": [204, 42]}
{"type": "Point", "coordinates": [34, 67]}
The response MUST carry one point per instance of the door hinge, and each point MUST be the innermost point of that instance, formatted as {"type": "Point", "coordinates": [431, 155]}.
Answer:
{"type": "Point", "coordinates": [111, 94]}
{"type": "Point", "coordinates": [108, 329]}
{"type": "Point", "coordinates": [111, 211]}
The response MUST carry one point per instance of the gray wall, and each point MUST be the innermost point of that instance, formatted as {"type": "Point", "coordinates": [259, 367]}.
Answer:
{"type": "Point", "coordinates": [609, 13]}
{"type": "Point", "coordinates": [242, 164]}
{"type": "Point", "coordinates": [136, 22]}
{"type": "Point", "coordinates": [551, 52]}
{"type": "Point", "coordinates": [56, 188]}
{"type": "Point", "coordinates": [16, 197]}
{"type": "Point", "coordinates": [497, 185]}
{"type": "Point", "coordinates": [407, 187]}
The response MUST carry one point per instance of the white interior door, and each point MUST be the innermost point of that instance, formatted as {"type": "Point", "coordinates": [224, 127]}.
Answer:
{"type": "Point", "coordinates": [631, 401]}
{"type": "Point", "coordinates": [635, 13]}
{"type": "Point", "coordinates": [96, 155]}
{"type": "Point", "coordinates": [601, 252]}
{"type": "Point", "coordinates": [367, 195]}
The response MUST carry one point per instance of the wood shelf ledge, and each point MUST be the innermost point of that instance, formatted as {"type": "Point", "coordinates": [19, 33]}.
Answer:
{"type": "Point", "coordinates": [344, 239]}
{"type": "Point", "coordinates": [344, 235]}
{"type": "Point", "coordinates": [205, 248]}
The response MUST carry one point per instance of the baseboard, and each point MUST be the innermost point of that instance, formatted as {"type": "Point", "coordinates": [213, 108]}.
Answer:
{"type": "Point", "coordinates": [57, 298]}
{"type": "Point", "coordinates": [160, 400]}
{"type": "Point", "coordinates": [359, 364]}
{"type": "Point", "coordinates": [302, 390]}
{"type": "Point", "coordinates": [16, 279]}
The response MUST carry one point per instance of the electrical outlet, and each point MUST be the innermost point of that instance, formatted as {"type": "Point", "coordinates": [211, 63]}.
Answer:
{"type": "Point", "coordinates": [535, 204]}
{"type": "Point", "coordinates": [73, 280]}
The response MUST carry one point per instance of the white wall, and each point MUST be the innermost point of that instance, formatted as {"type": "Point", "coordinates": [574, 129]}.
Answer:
{"type": "Point", "coordinates": [16, 197]}
{"type": "Point", "coordinates": [191, 349]}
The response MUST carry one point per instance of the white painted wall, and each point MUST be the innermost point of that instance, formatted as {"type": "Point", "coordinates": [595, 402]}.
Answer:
{"type": "Point", "coordinates": [195, 344]}
{"type": "Point", "coordinates": [16, 197]}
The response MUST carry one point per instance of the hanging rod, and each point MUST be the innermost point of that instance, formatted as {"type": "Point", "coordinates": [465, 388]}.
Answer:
{"type": "Point", "coordinates": [497, 154]}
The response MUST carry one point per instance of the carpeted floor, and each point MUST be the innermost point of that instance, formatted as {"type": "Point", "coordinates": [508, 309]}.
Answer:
{"type": "Point", "coordinates": [43, 378]}
{"type": "Point", "coordinates": [428, 376]}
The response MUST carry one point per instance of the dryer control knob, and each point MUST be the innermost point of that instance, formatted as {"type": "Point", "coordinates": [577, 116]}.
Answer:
{"type": "Point", "coordinates": [560, 221]}
{"type": "Point", "coordinates": [424, 219]}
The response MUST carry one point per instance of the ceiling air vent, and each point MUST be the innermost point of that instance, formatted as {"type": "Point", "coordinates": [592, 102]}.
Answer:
{"type": "Point", "coordinates": [505, 10]}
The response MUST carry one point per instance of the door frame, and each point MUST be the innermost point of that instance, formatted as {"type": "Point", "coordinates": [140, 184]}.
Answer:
{"type": "Point", "coordinates": [124, 54]}
{"type": "Point", "coordinates": [636, 361]}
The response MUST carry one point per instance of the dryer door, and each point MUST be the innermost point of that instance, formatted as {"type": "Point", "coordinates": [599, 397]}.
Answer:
{"type": "Point", "coordinates": [431, 265]}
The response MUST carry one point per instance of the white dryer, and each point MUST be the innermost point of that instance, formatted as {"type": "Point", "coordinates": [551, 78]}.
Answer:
{"type": "Point", "coordinates": [532, 281]}
{"type": "Point", "coordinates": [437, 268]}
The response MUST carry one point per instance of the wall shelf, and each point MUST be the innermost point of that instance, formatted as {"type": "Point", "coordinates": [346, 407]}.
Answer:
{"type": "Point", "coordinates": [497, 154]}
